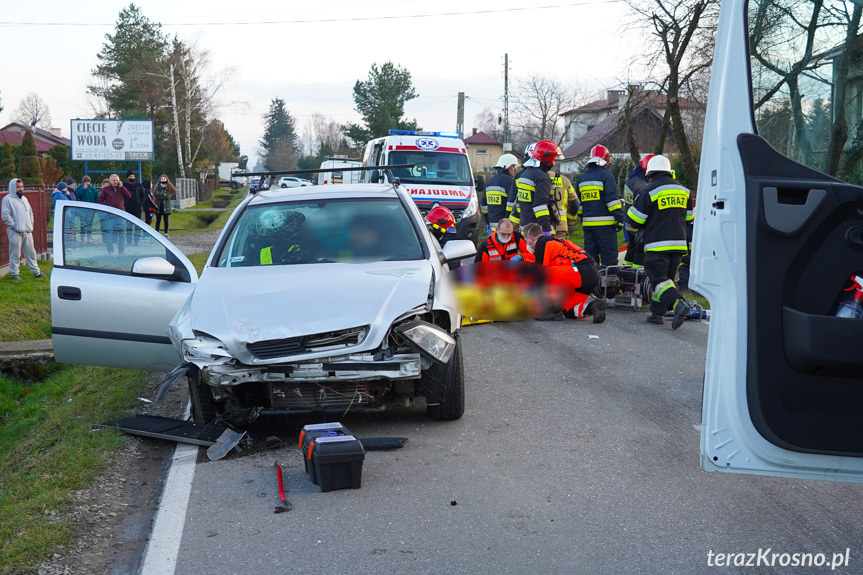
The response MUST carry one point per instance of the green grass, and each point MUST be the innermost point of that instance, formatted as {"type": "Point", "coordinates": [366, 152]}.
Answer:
{"type": "Point", "coordinates": [49, 451]}
{"type": "Point", "coordinates": [26, 310]}
{"type": "Point", "coordinates": [46, 442]}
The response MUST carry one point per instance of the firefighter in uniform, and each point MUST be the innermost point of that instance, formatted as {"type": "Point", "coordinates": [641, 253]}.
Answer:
{"type": "Point", "coordinates": [514, 216]}
{"type": "Point", "coordinates": [504, 243]}
{"type": "Point", "coordinates": [534, 186]}
{"type": "Point", "coordinates": [635, 182]}
{"type": "Point", "coordinates": [500, 192]}
{"type": "Point", "coordinates": [663, 208]}
{"type": "Point", "coordinates": [571, 267]}
{"type": "Point", "coordinates": [439, 220]}
{"type": "Point", "coordinates": [601, 209]}
{"type": "Point", "coordinates": [566, 202]}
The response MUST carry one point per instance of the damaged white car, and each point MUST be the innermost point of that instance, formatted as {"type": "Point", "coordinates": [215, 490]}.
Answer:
{"type": "Point", "coordinates": [319, 299]}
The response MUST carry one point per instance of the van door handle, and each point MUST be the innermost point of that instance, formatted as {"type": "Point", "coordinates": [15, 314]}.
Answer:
{"type": "Point", "coordinates": [69, 292]}
{"type": "Point", "coordinates": [790, 217]}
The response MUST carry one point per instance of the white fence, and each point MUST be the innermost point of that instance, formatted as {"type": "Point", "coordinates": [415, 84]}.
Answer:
{"type": "Point", "coordinates": [187, 192]}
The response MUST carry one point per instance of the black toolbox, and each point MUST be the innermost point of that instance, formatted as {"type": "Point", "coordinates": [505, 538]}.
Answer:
{"type": "Point", "coordinates": [312, 432]}
{"type": "Point", "coordinates": [337, 461]}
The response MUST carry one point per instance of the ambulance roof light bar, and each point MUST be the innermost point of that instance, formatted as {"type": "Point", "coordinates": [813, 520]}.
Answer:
{"type": "Point", "coordinates": [416, 133]}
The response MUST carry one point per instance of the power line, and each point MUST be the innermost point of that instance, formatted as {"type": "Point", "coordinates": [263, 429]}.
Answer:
{"type": "Point", "coordinates": [325, 20]}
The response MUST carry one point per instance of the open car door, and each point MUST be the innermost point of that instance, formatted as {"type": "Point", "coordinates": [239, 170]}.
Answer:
{"type": "Point", "coordinates": [115, 287]}
{"type": "Point", "coordinates": [777, 239]}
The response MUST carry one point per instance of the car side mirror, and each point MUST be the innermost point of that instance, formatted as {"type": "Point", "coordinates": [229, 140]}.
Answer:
{"type": "Point", "coordinates": [154, 267]}
{"type": "Point", "coordinates": [455, 250]}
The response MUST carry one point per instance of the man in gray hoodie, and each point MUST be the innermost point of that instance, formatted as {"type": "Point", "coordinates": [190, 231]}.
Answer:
{"type": "Point", "coordinates": [18, 217]}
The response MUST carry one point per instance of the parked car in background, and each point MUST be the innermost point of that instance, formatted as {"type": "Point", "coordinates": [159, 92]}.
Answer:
{"type": "Point", "coordinates": [254, 183]}
{"type": "Point", "coordinates": [313, 301]}
{"type": "Point", "coordinates": [293, 182]}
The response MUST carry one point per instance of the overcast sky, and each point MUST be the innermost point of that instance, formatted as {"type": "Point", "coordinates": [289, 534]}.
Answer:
{"type": "Point", "coordinates": [311, 53]}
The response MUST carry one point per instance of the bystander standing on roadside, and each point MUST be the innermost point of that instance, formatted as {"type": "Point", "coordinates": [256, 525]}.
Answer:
{"type": "Point", "coordinates": [163, 193]}
{"type": "Point", "coordinates": [87, 192]}
{"type": "Point", "coordinates": [18, 217]}
{"type": "Point", "coordinates": [149, 202]}
{"type": "Point", "coordinates": [134, 205]}
{"type": "Point", "coordinates": [113, 227]}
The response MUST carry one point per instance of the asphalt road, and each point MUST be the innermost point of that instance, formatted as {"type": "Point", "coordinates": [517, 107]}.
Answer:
{"type": "Point", "coordinates": [577, 454]}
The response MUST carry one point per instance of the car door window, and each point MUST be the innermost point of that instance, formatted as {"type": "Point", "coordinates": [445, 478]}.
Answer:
{"type": "Point", "coordinates": [101, 241]}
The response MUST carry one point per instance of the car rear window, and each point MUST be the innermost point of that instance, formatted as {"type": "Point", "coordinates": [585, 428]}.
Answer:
{"type": "Point", "coordinates": [343, 230]}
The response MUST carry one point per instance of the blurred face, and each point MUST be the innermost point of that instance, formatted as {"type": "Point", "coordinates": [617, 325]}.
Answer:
{"type": "Point", "coordinates": [19, 187]}
{"type": "Point", "coordinates": [511, 170]}
{"type": "Point", "coordinates": [132, 179]}
{"type": "Point", "coordinates": [163, 181]}
{"type": "Point", "coordinates": [114, 180]}
{"type": "Point", "coordinates": [531, 243]}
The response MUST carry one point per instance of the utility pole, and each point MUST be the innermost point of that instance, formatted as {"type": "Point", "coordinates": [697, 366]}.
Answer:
{"type": "Point", "coordinates": [459, 120]}
{"type": "Point", "coordinates": [507, 145]}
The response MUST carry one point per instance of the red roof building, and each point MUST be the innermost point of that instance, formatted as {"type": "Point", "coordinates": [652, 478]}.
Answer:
{"type": "Point", "coordinates": [45, 140]}
{"type": "Point", "coordinates": [483, 151]}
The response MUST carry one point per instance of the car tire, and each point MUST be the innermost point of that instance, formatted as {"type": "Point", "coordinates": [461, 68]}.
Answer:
{"type": "Point", "coordinates": [449, 380]}
{"type": "Point", "coordinates": [204, 409]}
{"type": "Point", "coordinates": [283, 185]}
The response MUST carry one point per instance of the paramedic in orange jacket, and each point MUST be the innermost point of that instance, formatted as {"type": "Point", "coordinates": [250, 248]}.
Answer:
{"type": "Point", "coordinates": [572, 268]}
{"type": "Point", "coordinates": [503, 244]}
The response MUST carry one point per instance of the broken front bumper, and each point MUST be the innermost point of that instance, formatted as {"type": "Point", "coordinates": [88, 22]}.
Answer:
{"type": "Point", "coordinates": [357, 367]}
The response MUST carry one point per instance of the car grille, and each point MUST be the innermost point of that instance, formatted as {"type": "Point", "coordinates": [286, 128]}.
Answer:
{"type": "Point", "coordinates": [313, 397]}
{"type": "Point", "coordinates": [273, 348]}
{"type": "Point", "coordinates": [455, 212]}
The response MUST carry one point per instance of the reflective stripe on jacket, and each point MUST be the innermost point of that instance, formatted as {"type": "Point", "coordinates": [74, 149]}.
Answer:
{"type": "Point", "coordinates": [662, 208]}
{"type": "Point", "coordinates": [600, 203]}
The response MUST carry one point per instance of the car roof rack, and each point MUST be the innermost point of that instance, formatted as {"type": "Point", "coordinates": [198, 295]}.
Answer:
{"type": "Point", "coordinates": [271, 174]}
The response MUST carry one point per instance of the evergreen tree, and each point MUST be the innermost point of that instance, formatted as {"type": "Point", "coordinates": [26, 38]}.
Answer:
{"type": "Point", "coordinates": [381, 101]}
{"type": "Point", "coordinates": [29, 169]}
{"type": "Point", "coordinates": [279, 144]}
{"type": "Point", "coordinates": [7, 163]}
{"type": "Point", "coordinates": [127, 57]}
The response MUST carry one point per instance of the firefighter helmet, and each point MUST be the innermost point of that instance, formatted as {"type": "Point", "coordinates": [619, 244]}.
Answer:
{"type": "Point", "coordinates": [644, 161]}
{"type": "Point", "coordinates": [440, 219]}
{"type": "Point", "coordinates": [528, 151]}
{"type": "Point", "coordinates": [658, 164]}
{"type": "Point", "coordinates": [506, 161]}
{"type": "Point", "coordinates": [599, 154]}
{"type": "Point", "coordinates": [546, 152]}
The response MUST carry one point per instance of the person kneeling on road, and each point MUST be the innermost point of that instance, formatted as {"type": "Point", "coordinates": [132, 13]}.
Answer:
{"type": "Point", "coordinates": [504, 243]}
{"type": "Point", "coordinates": [572, 267]}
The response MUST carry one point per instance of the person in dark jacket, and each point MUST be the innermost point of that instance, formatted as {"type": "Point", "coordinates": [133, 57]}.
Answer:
{"type": "Point", "coordinates": [163, 194]}
{"type": "Point", "coordinates": [87, 192]}
{"type": "Point", "coordinates": [500, 191]}
{"type": "Point", "coordinates": [135, 205]}
{"type": "Point", "coordinates": [114, 195]}
{"type": "Point", "coordinates": [534, 187]}
{"type": "Point", "coordinates": [662, 209]}
{"type": "Point", "coordinates": [601, 210]}
{"type": "Point", "coordinates": [636, 180]}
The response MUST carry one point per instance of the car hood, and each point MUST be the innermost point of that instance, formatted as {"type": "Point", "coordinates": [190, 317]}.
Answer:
{"type": "Point", "coordinates": [246, 305]}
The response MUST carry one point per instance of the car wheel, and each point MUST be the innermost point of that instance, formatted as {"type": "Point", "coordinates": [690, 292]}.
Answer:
{"type": "Point", "coordinates": [204, 409]}
{"type": "Point", "coordinates": [445, 385]}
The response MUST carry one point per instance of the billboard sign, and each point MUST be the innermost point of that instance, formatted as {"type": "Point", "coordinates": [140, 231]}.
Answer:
{"type": "Point", "coordinates": [106, 140]}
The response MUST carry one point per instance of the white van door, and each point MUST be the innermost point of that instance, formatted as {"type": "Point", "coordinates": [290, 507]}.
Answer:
{"type": "Point", "coordinates": [777, 239]}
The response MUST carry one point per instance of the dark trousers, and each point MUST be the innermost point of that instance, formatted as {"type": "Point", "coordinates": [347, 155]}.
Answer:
{"type": "Point", "coordinates": [601, 243]}
{"type": "Point", "coordinates": [661, 267]}
{"type": "Point", "coordinates": [158, 220]}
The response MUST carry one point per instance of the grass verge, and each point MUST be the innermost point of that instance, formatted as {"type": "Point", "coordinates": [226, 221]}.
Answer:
{"type": "Point", "coordinates": [26, 310]}
{"type": "Point", "coordinates": [50, 451]}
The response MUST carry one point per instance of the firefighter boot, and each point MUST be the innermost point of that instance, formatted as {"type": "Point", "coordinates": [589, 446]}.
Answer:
{"type": "Point", "coordinates": [599, 307]}
{"type": "Point", "coordinates": [657, 313]}
{"type": "Point", "coordinates": [681, 312]}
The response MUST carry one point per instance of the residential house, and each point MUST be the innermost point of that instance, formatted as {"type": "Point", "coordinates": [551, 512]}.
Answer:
{"type": "Point", "coordinates": [601, 122]}
{"type": "Point", "coordinates": [45, 139]}
{"type": "Point", "coordinates": [483, 151]}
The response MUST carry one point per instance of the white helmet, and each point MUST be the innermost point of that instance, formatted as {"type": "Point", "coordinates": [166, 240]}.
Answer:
{"type": "Point", "coordinates": [506, 161]}
{"type": "Point", "coordinates": [658, 164]}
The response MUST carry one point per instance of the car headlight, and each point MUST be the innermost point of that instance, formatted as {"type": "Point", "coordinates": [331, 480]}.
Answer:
{"type": "Point", "coordinates": [434, 341]}
{"type": "Point", "coordinates": [472, 207]}
{"type": "Point", "coordinates": [204, 346]}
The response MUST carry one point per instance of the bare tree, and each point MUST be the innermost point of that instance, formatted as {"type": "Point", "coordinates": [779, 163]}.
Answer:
{"type": "Point", "coordinates": [684, 31]}
{"type": "Point", "coordinates": [33, 111]}
{"type": "Point", "coordinates": [538, 104]}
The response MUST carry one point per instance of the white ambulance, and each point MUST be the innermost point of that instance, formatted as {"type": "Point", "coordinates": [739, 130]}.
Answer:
{"type": "Point", "coordinates": [441, 174]}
